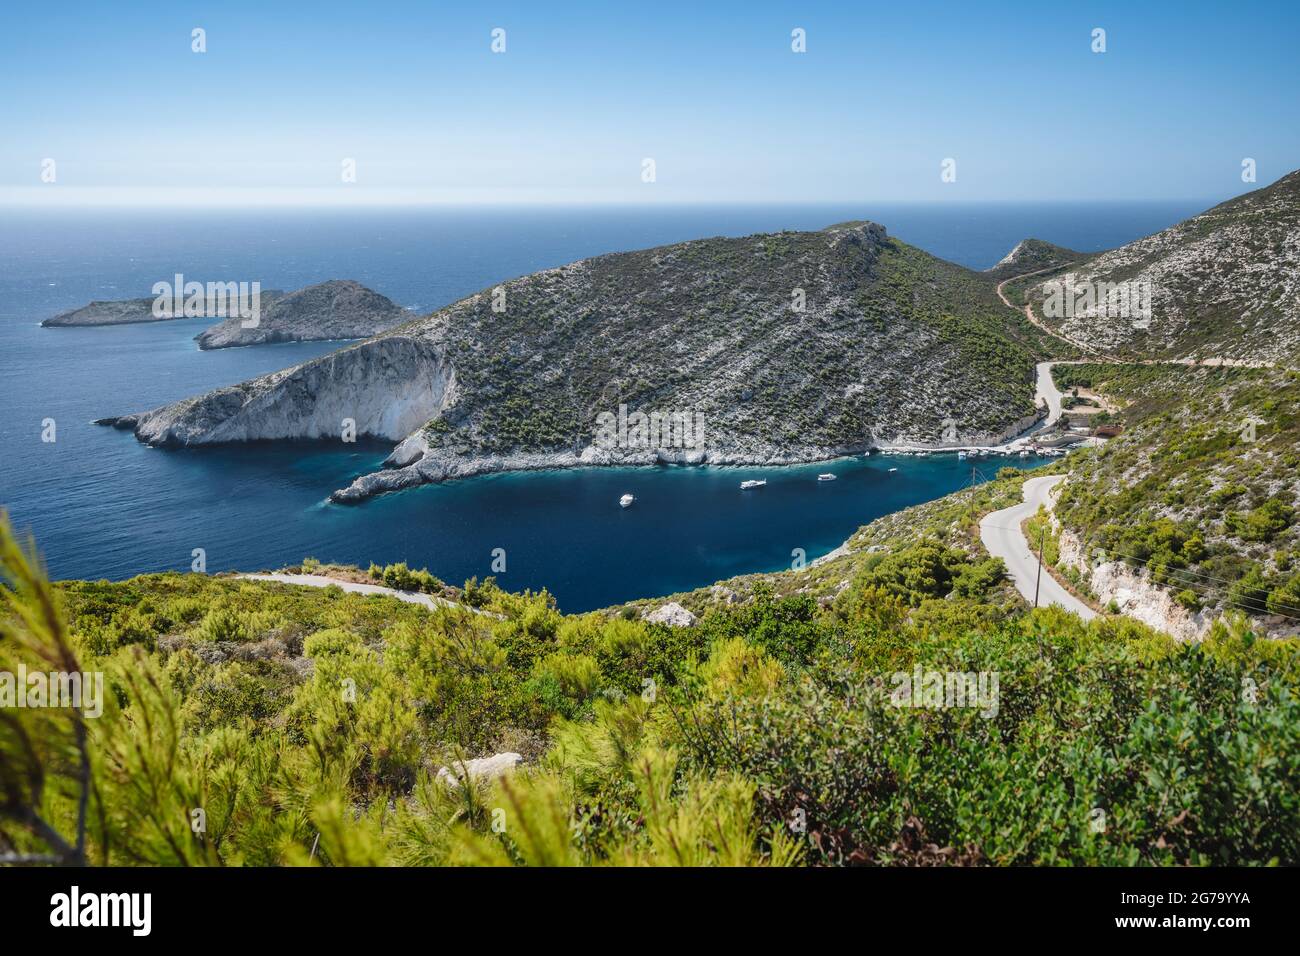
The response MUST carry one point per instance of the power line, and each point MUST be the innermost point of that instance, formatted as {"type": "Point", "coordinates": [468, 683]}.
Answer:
{"type": "Point", "coordinates": [1258, 610]}
{"type": "Point", "coordinates": [1199, 574]}
{"type": "Point", "coordinates": [1133, 559]}
{"type": "Point", "coordinates": [1256, 606]}
{"type": "Point", "coordinates": [1142, 562]}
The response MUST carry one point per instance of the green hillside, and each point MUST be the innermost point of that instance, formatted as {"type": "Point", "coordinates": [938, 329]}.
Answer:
{"type": "Point", "coordinates": [1201, 489]}
{"type": "Point", "coordinates": [308, 727]}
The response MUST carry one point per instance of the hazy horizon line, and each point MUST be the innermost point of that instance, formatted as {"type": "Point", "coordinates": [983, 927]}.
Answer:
{"type": "Point", "coordinates": [245, 203]}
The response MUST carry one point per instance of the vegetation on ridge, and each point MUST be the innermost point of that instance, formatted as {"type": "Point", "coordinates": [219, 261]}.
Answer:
{"type": "Point", "coordinates": [1034, 255]}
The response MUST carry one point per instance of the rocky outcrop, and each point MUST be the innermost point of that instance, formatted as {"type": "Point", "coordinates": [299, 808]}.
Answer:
{"type": "Point", "coordinates": [334, 310]}
{"type": "Point", "coordinates": [413, 463]}
{"type": "Point", "coordinates": [1132, 592]}
{"type": "Point", "coordinates": [672, 614]}
{"type": "Point", "coordinates": [1033, 255]}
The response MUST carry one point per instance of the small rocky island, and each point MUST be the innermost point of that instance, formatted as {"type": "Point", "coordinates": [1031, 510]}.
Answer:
{"type": "Point", "coordinates": [338, 309]}
{"type": "Point", "coordinates": [127, 312]}
{"type": "Point", "coordinates": [328, 311]}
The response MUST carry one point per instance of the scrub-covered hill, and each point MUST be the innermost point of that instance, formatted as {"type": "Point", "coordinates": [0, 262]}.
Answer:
{"type": "Point", "coordinates": [1225, 284]}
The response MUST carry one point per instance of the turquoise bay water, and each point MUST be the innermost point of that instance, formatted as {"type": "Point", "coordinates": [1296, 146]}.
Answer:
{"type": "Point", "coordinates": [102, 505]}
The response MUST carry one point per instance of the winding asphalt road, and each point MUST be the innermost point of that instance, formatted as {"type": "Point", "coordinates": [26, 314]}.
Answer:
{"type": "Point", "coordinates": [1000, 531]}
{"type": "Point", "coordinates": [1001, 534]}
{"type": "Point", "coordinates": [1046, 390]}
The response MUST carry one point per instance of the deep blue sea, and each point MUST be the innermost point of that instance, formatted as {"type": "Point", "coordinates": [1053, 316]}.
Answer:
{"type": "Point", "coordinates": [103, 506]}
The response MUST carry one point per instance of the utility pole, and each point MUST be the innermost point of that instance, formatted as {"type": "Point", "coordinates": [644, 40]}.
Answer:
{"type": "Point", "coordinates": [1039, 580]}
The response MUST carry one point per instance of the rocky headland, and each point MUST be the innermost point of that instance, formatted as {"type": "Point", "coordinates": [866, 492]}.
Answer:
{"type": "Point", "coordinates": [788, 347]}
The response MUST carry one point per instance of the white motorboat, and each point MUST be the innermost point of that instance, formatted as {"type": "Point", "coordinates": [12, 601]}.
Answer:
{"type": "Point", "coordinates": [961, 456]}
{"type": "Point", "coordinates": [626, 501]}
{"type": "Point", "coordinates": [826, 477]}
{"type": "Point", "coordinates": [893, 469]}
{"type": "Point", "coordinates": [752, 483]}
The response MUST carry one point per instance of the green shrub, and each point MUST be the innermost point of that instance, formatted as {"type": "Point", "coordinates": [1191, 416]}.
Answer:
{"type": "Point", "coordinates": [1262, 523]}
{"type": "Point", "coordinates": [401, 578]}
{"type": "Point", "coordinates": [975, 581]}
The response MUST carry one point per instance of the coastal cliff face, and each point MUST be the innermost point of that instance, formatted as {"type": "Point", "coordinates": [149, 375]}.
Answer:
{"type": "Point", "coordinates": [1225, 283]}
{"type": "Point", "coordinates": [338, 309]}
{"type": "Point", "coordinates": [786, 347]}
{"type": "Point", "coordinates": [385, 388]}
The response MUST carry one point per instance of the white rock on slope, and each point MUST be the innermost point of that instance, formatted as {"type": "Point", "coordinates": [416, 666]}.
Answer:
{"type": "Point", "coordinates": [485, 768]}
{"type": "Point", "coordinates": [672, 614]}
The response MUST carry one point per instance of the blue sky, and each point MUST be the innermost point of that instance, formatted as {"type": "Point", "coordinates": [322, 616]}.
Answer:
{"type": "Point", "coordinates": [585, 92]}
